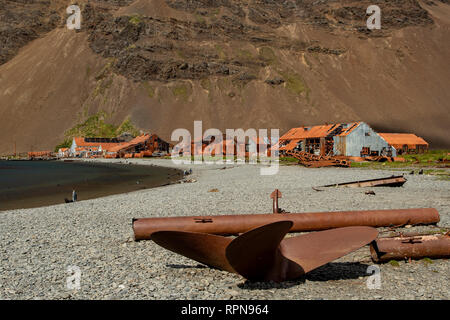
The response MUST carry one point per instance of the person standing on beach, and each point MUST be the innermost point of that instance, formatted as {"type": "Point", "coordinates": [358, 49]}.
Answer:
{"type": "Point", "coordinates": [74, 196]}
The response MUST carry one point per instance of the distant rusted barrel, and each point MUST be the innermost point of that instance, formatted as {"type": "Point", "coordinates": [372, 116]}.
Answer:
{"type": "Point", "coordinates": [417, 247]}
{"type": "Point", "coordinates": [236, 224]}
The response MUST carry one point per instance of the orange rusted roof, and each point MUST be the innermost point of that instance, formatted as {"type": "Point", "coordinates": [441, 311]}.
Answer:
{"type": "Point", "coordinates": [290, 146]}
{"type": "Point", "coordinates": [39, 153]}
{"type": "Point", "coordinates": [401, 139]}
{"type": "Point", "coordinates": [125, 145]}
{"type": "Point", "coordinates": [227, 145]}
{"type": "Point", "coordinates": [81, 142]}
{"type": "Point", "coordinates": [320, 131]}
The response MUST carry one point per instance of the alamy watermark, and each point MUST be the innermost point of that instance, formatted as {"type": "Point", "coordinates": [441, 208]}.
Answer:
{"type": "Point", "coordinates": [73, 281]}
{"type": "Point", "coordinates": [374, 21]}
{"type": "Point", "coordinates": [74, 20]}
{"type": "Point", "coordinates": [235, 146]}
{"type": "Point", "coordinates": [374, 280]}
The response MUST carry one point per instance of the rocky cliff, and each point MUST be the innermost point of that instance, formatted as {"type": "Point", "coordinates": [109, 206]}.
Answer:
{"type": "Point", "coordinates": [232, 64]}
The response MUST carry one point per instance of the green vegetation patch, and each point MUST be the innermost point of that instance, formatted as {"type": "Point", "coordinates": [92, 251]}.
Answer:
{"type": "Point", "coordinates": [427, 160]}
{"type": "Point", "coordinates": [428, 157]}
{"type": "Point", "coordinates": [288, 160]}
{"type": "Point", "coordinates": [182, 91]}
{"type": "Point", "coordinates": [295, 83]}
{"type": "Point", "coordinates": [96, 127]}
{"type": "Point", "coordinates": [67, 143]}
{"type": "Point", "coordinates": [205, 84]}
{"type": "Point", "coordinates": [267, 55]}
{"type": "Point", "coordinates": [135, 20]}
{"type": "Point", "coordinates": [128, 127]}
{"type": "Point", "coordinates": [394, 263]}
{"type": "Point", "coordinates": [427, 261]}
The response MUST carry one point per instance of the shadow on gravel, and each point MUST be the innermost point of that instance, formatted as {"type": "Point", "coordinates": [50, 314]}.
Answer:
{"type": "Point", "coordinates": [185, 266]}
{"type": "Point", "coordinates": [248, 285]}
{"type": "Point", "coordinates": [338, 271]}
{"type": "Point", "coordinates": [330, 271]}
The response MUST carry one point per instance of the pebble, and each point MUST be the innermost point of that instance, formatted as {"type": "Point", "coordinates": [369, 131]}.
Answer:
{"type": "Point", "coordinates": [38, 245]}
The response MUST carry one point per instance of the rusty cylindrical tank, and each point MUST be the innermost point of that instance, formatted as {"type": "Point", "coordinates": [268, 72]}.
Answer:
{"type": "Point", "coordinates": [416, 247]}
{"type": "Point", "coordinates": [236, 224]}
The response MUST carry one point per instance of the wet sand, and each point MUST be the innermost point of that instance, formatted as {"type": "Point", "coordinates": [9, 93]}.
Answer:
{"type": "Point", "coordinates": [30, 184]}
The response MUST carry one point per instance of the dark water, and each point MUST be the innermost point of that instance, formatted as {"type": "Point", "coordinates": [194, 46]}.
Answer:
{"type": "Point", "coordinates": [29, 184]}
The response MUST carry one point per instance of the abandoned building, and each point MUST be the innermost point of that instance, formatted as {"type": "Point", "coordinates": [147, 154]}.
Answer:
{"type": "Point", "coordinates": [356, 139]}
{"type": "Point", "coordinates": [405, 143]}
{"type": "Point", "coordinates": [143, 145]}
{"type": "Point", "coordinates": [226, 146]}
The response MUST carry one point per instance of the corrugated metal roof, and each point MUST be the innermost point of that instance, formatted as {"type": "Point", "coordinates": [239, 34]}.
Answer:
{"type": "Point", "coordinates": [350, 127]}
{"type": "Point", "coordinates": [138, 140]}
{"type": "Point", "coordinates": [290, 146]}
{"type": "Point", "coordinates": [400, 139]}
{"type": "Point", "coordinates": [321, 131]}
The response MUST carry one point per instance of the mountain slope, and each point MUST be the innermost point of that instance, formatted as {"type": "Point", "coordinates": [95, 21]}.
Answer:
{"type": "Point", "coordinates": [232, 64]}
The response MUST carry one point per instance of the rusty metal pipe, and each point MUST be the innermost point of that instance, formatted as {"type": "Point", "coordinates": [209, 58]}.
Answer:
{"type": "Point", "coordinates": [236, 224]}
{"type": "Point", "coordinates": [416, 247]}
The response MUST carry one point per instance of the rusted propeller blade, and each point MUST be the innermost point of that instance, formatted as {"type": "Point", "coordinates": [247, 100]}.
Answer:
{"type": "Point", "coordinates": [202, 247]}
{"type": "Point", "coordinates": [315, 249]}
{"type": "Point", "coordinates": [255, 254]}
{"type": "Point", "coordinates": [262, 254]}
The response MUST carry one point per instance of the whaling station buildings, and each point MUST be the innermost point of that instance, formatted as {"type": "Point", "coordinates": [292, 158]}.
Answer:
{"type": "Point", "coordinates": [355, 140]}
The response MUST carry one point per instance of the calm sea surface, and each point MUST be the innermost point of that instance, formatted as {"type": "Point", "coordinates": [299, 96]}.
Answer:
{"type": "Point", "coordinates": [28, 184]}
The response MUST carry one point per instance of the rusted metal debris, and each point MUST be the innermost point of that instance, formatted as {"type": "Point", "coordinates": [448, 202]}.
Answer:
{"type": "Point", "coordinates": [317, 161]}
{"type": "Point", "coordinates": [393, 181]}
{"type": "Point", "coordinates": [410, 247]}
{"type": "Point", "coordinates": [302, 222]}
{"type": "Point", "coordinates": [379, 159]}
{"type": "Point", "coordinates": [262, 254]}
{"type": "Point", "coordinates": [275, 196]}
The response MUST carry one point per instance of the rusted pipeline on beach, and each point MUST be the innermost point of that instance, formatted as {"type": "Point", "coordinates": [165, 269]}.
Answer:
{"type": "Point", "coordinates": [416, 247]}
{"type": "Point", "coordinates": [302, 222]}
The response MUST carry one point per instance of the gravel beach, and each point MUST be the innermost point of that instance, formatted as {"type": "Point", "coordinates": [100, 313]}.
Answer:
{"type": "Point", "coordinates": [39, 245]}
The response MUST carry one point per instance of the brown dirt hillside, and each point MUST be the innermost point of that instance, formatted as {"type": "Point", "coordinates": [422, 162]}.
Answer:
{"type": "Point", "coordinates": [232, 64]}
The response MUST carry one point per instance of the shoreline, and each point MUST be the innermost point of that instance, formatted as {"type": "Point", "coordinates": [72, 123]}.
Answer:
{"type": "Point", "coordinates": [91, 180]}
{"type": "Point", "coordinates": [38, 245]}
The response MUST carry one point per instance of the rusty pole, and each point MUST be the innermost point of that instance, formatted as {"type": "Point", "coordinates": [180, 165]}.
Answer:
{"type": "Point", "coordinates": [275, 195]}
{"type": "Point", "coordinates": [236, 224]}
{"type": "Point", "coordinates": [415, 247]}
